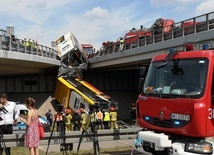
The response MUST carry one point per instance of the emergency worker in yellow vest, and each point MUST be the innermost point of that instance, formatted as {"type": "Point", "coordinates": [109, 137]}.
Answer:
{"type": "Point", "coordinates": [30, 42]}
{"type": "Point", "coordinates": [113, 118]}
{"type": "Point", "coordinates": [34, 44]}
{"type": "Point", "coordinates": [83, 119]}
{"type": "Point", "coordinates": [93, 120]}
{"type": "Point", "coordinates": [68, 120]}
{"type": "Point", "coordinates": [106, 119]}
{"type": "Point", "coordinates": [121, 42]}
{"type": "Point", "coordinates": [26, 43]}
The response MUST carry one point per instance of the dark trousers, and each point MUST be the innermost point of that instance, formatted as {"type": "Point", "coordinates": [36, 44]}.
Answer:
{"type": "Point", "coordinates": [99, 124]}
{"type": "Point", "coordinates": [76, 126]}
{"type": "Point", "coordinates": [106, 124]}
{"type": "Point", "coordinates": [60, 127]}
{"type": "Point", "coordinates": [5, 129]}
{"type": "Point", "coordinates": [50, 126]}
{"type": "Point", "coordinates": [93, 126]}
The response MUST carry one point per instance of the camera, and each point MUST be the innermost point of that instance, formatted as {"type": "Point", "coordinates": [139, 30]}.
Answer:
{"type": "Point", "coordinates": [3, 109]}
{"type": "Point", "coordinates": [60, 108]}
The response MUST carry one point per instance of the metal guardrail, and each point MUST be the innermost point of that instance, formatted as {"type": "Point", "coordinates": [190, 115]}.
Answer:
{"type": "Point", "coordinates": [9, 43]}
{"type": "Point", "coordinates": [17, 139]}
{"type": "Point", "coordinates": [191, 26]}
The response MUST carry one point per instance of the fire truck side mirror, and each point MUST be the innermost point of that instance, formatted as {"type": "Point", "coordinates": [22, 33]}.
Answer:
{"type": "Point", "coordinates": [143, 71]}
{"type": "Point", "coordinates": [140, 85]}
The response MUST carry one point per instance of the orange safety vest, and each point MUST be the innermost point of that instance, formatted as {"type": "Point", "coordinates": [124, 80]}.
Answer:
{"type": "Point", "coordinates": [58, 117]}
{"type": "Point", "coordinates": [99, 115]}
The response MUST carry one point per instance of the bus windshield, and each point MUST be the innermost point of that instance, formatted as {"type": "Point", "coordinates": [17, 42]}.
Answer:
{"type": "Point", "coordinates": [179, 78]}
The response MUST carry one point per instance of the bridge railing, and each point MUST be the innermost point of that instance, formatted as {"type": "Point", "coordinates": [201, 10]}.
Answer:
{"type": "Point", "coordinates": [10, 43]}
{"type": "Point", "coordinates": [187, 27]}
{"type": "Point", "coordinates": [17, 139]}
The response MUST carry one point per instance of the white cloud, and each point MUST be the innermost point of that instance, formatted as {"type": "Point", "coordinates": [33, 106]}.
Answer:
{"type": "Point", "coordinates": [204, 7]}
{"type": "Point", "coordinates": [160, 3]}
{"type": "Point", "coordinates": [91, 22]}
{"type": "Point", "coordinates": [97, 13]}
{"type": "Point", "coordinates": [100, 24]}
{"type": "Point", "coordinates": [33, 17]}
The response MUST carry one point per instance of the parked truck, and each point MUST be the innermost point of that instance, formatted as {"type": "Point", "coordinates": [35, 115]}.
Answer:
{"type": "Point", "coordinates": [175, 107]}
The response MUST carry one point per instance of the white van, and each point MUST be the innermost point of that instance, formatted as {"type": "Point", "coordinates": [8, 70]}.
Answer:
{"type": "Point", "coordinates": [20, 109]}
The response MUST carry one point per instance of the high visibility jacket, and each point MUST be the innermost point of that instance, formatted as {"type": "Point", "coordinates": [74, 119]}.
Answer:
{"type": "Point", "coordinates": [113, 115]}
{"type": "Point", "coordinates": [121, 41]}
{"type": "Point", "coordinates": [31, 42]}
{"type": "Point", "coordinates": [107, 116]}
{"type": "Point", "coordinates": [93, 117]}
{"type": "Point", "coordinates": [26, 43]}
{"type": "Point", "coordinates": [83, 118]}
{"type": "Point", "coordinates": [68, 119]}
{"type": "Point", "coordinates": [100, 115]}
{"type": "Point", "coordinates": [58, 117]}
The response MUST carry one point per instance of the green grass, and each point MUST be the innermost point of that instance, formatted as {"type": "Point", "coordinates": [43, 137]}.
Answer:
{"type": "Point", "coordinates": [25, 151]}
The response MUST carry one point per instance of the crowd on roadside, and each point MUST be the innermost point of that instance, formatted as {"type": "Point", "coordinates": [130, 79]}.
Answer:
{"type": "Point", "coordinates": [65, 120]}
{"type": "Point", "coordinates": [78, 120]}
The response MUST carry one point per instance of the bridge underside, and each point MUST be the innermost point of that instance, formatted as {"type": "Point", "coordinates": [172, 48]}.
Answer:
{"type": "Point", "coordinates": [13, 63]}
{"type": "Point", "coordinates": [121, 85]}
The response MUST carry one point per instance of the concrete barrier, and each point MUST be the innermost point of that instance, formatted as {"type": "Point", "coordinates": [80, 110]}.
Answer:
{"type": "Point", "coordinates": [17, 139]}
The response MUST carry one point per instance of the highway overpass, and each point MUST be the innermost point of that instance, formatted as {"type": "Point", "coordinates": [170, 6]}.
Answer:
{"type": "Point", "coordinates": [30, 71]}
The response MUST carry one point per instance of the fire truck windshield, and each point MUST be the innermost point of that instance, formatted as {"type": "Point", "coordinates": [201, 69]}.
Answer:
{"type": "Point", "coordinates": [88, 50]}
{"type": "Point", "coordinates": [179, 78]}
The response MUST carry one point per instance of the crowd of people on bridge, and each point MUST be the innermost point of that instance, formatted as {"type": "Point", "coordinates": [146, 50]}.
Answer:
{"type": "Point", "coordinates": [30, 42]}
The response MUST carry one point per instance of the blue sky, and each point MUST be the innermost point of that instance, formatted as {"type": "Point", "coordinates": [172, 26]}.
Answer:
{"type": "Point", "coordinates": [92, 21]}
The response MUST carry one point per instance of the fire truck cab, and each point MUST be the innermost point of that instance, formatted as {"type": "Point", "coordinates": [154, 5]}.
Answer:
{"type": "Point", "coordinates": [175, 107]}
{"type": "Point", "coordinates": [88, 48]}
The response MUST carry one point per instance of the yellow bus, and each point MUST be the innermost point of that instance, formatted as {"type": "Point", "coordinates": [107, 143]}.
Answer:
{"type": "Point", "coordinates": [70, 92]}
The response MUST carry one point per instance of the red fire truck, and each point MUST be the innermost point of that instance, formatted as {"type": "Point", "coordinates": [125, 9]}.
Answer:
{"type": "Point", "coordinates": [175, 107]}
{"type": "Point", "coordinates": [88, 48]}
{"type": "Point", "coordinates": [159, 25]}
